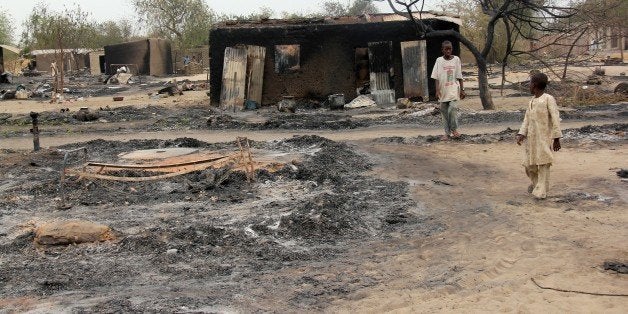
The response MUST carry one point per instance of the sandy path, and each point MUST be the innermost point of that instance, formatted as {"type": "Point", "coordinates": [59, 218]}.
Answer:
{"type": "Point", "coordinates": [217, 136]}
{"type": "Point", "coordinates": [497, 237]}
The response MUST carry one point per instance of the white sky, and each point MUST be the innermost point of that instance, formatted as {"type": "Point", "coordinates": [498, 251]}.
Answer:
{"type": "Point", "coordinates": [103, 10]}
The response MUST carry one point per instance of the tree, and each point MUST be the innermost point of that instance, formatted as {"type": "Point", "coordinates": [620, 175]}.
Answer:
{"type": "Point", "coordinates": [63, 31]}
{"type": "Point", "coordinates": [185, 22]}
{"type": "Point", "coordinates": [112, 32]}
{"type": "Point", "coordinates": [357, 7]}
{"type": "Point", "coordinates": [262, 13]}
{"type": "Point", "coordinates": [6, 30]}
{"type": "Point", "coordinates": [522, 17]}
{"type": "Point", "coordinates": [607, 18]}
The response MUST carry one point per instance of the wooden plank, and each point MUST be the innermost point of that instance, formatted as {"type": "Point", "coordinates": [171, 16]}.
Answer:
{"type": "Point", "coordinates": [255, 80]}
{"type": "Point", "coordinates": [176, 171]}
{"type": "Point", "coordinates": [423, 75]}
{"type": "Point", "coordinates": [232, 94]}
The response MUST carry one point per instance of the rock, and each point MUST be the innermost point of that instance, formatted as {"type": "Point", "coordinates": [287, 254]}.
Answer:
{"type": "Point", "coordinates": [599, 71]}
{"type": "Point", "coordinates": [621, 88]}
{"type": "Point", "coordinates": [72, 232]}
{"type": "Point", "coordinates": [403, 103]}
{"type": "Point", "coordinates": [594, 80]}
{"type": "Point", "coordinates": [616, 266]}
{"type": "Point", "coordinates": [172, 251]}
{"type": "Point", "coordinates": [287, 104]}
{"type": "Point", "coordinates": [84, 114]}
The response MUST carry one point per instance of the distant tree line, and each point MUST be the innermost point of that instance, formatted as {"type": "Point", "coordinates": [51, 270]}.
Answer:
{"type": "Point", "coordinates": [185, 22]}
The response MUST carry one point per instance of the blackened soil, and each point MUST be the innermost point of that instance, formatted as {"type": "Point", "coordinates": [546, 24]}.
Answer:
{"type": "Point", "coordinates": [589, 134]}
{"type": "Point", "coordinates": [191, 243]}
{"type": "Point", "coordinates": [158, 118]}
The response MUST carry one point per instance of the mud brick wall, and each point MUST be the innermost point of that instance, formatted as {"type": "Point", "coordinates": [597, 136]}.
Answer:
{"type": "Point", "coordinates": [327, 55]}
{"type": "Point", "coordinates": [151, 56]}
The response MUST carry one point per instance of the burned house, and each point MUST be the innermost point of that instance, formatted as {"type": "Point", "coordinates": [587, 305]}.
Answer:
{"type": "Point", "coordinates": [73, 59]}
{"type": "Point", "coordinates": [313, 58]}
{"type": "Point", "coordinates": [7, 54]}
{"type": "Point", "coordinates": [97, 62]}
{"type": "Point", "coordinates": [151, 56]}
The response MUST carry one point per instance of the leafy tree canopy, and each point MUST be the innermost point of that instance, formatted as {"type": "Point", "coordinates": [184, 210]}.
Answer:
{"type": "Point", "coordinates": [71, 28]}
{"type": "Point", "coordinates": [6, 30]}
{"type": "Point", "coordinates": [356, 7]}
{"type": "Point", "coordinates": [186, 22]}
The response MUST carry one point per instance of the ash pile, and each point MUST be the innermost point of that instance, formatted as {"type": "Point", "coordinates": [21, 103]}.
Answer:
{"type": "Point", "coordinates": [316, 202]}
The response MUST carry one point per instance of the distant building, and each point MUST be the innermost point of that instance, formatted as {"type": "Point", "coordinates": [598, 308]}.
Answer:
{"type": "Point", "coordinates": [152, 56]}
{"type": "Point", "coordinates": [198, 60]}
{"type": "Point", "coordinates": [3, 52]}
{"type": "Point", "coordinates": [73, 59]}
{"type": "Point", "coordinates": [601, 42]}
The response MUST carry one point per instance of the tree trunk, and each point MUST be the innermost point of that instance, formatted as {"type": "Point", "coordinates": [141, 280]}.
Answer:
{"type": "Point", "coordinates": [573, 44]}
{"type": "Point", "coordinates": [485, 93]}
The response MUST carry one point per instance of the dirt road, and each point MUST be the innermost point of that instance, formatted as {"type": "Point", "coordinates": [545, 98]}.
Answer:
{"type": "Point", "coordinates": [217, 136]}
{"type": "Point", "coordinates": [498, 239]}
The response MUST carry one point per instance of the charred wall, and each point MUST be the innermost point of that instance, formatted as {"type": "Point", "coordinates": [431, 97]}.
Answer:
{"type": "Point", "coordinates": [327, 55]}
{"type": "Point", "coordinates": [151, 56]}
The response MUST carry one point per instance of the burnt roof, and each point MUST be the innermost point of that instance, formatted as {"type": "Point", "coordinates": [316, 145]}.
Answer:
{"type": "Point", "coordinates": [366, 18]}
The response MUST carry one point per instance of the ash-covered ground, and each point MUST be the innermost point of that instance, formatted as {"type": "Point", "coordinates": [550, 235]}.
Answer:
{"type": "Point", "coordinates": [203, 117]}
{"type": "Point", "coordinates": [189, 234]}
{"type": "Point", "coordinates": [193, 243]}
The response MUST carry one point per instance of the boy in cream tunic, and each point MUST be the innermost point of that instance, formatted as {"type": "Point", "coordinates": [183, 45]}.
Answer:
{"type": "Point", "coordinates": [541, 128]}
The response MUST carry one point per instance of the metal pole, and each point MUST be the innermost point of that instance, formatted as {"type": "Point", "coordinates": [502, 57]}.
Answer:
{"type": "Point", "coordinates": [35, 130]}
{"type": "Point", "coordinates": [64, 204]}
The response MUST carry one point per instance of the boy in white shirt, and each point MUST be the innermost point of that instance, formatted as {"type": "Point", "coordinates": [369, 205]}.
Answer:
{"type": "Point", "coordinates": [447, 72]}
{"type": "Point", "coordinates": [541, 129]}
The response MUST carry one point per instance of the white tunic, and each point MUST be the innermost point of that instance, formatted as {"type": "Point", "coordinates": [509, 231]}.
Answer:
{"type": "Point", "coordinates": [448, 72]}
{"type": "Point", "coordinates": [541, 125]}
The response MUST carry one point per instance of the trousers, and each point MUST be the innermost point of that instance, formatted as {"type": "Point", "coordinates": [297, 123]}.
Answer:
{"type": "Point", "coordinates": [539, 175]}
{"type": "Point", "coordinates": [450, 116]}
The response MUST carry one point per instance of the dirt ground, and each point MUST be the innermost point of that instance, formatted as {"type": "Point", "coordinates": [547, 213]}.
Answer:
{"type": "Point", "coordinates": [362, 211]}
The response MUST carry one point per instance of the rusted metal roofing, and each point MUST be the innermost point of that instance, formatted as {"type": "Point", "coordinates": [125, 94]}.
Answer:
{"type": "Point", "coordinates": [66, 50]}
{"type": "Point", "coordinates": [366, 18]}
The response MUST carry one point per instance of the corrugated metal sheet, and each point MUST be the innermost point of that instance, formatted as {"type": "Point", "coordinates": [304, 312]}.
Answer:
{"type": "Point", "coordinates": [365, 18]}
{"type": "Point", "coordinates": [255, 80]}
{"type": "Point", "coordinates": [52, 51]}
{"type": "Point", "coordinates": [414, 54]}
{"type": "Point", "coordinates": [423, 15]}
{"type": "Point", "coordinates": [380, 56]}
{"type": "Point", "coordinates": [233, 78]}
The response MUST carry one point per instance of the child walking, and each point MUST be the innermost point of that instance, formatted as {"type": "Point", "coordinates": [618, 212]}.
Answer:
{"type": "Point", "coordinates": [447, 72]}
{"type": "Point", "coordinates": [541, 129]}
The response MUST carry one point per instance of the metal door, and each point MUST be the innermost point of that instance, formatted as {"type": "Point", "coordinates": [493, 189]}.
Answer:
{"type": "Point", "coordinates": [380, 57]}
{"type": "Point", "coordinates": [414, 59]}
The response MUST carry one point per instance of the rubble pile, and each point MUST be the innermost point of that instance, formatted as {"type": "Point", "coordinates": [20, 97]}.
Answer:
{"type": "Point", "coordinates": [190, 228]}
